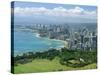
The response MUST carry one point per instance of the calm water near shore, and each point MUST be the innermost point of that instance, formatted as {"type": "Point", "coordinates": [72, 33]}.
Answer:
{"type": "Point", "coordinates": [28, 41]}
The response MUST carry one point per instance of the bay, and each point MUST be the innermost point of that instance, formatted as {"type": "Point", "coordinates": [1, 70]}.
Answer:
{"type": "Point", "coordinates": [31, 42]}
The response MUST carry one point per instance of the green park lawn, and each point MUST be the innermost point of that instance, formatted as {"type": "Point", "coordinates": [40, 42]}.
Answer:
{"type": "Point", "coordinates": [44, 65]}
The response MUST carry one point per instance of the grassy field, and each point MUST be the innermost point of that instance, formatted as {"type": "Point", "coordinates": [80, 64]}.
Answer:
{"type": "Point", "coordinates": [44, 65]}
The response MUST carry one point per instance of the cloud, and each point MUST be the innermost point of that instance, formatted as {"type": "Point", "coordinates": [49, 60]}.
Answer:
{"type": "Point", "coordinates": [58, 12]}
{"type": "Point", "coordinates": [76, 10]}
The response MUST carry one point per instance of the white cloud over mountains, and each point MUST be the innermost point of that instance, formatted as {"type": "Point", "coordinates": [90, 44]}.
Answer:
{"type": "Point", "coordinates": [58, 12]}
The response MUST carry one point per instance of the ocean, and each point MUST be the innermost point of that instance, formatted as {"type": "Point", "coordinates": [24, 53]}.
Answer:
{"type": "Point", "coordinates": [25, 41]}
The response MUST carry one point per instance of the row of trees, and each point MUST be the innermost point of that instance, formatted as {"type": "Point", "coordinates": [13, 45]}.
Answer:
{"type": "Point", "coordinates": [65, 55]}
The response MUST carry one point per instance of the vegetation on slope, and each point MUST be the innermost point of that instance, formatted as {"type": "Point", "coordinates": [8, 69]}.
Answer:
{"type": "Point", "coordinates": [59, 60]}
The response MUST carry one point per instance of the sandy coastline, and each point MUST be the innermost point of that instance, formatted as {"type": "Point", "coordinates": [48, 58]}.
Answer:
{"type": "Point", "coordinates": [65, 42]}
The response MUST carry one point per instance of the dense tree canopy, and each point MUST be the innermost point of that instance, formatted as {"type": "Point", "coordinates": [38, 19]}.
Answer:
{"type": "Point", "coordinates": [73, 58]}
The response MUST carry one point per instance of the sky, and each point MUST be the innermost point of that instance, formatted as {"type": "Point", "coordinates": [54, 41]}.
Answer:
{"type": "Point", "coordinates": [49, 13]}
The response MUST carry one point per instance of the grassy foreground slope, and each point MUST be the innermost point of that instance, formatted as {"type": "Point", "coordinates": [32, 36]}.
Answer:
{"type": "Point", "coordinates": [44, 65]}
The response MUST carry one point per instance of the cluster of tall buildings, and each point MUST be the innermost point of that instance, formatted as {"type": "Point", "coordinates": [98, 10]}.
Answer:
{"type": "Point", "coordinates": [53, 31]}
{"type": "Point", "coordinates": [82, 39]}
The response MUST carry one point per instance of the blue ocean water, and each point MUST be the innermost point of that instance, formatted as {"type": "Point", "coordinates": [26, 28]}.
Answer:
{"type": "Point", "coordinates": [29, 41]}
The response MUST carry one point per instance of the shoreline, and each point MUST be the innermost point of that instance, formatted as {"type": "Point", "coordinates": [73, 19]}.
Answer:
{"type": "Point", "coordinates": [65, 42]}
{"type": "Point", "coordinates": [38, 35]}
